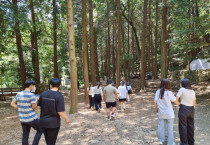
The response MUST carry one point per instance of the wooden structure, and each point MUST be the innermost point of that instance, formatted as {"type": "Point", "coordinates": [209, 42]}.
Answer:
{"type": "Point", "coordinates": [5, 92]}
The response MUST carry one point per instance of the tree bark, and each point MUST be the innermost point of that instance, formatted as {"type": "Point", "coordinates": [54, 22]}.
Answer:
{"type": "Point", "coordinates": [164, 44]}
{"type": "Point", "coordinates": [113, 54]}
{"type": "Point", "coordinates": [35, 51]}
{"type": "Point", "coordinates": [85, 50]}
{"type": "Point", "coordinates": [124, 52]}
{"type": "Point", "coordinates": [156, 39]}
{"type": "Point", "coordinates": [144, 34]}
{"type": "Point", "coordinates": [55, 39]}
{"type": "Point", "coordinates": [72, 58]}
{"type": "Point", "coordinates": [128, 51]}
{"type": "Point", "coordinates": [18, 43]}
{"type": "Point", "coordinates": [108, 43]}
{"type": "Point", "coordinates": [118, 42]}
{"type": "Point", "coordinates": [92, 48]}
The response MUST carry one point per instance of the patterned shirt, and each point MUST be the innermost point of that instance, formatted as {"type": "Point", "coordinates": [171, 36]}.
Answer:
{"type": "Point", "coordinates": [24, 100]}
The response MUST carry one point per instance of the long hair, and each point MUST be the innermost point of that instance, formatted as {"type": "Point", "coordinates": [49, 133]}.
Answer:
{"type": "Point", "coordinates": [99, 84]}
{"type": "Point", "coordinates": [165, 84]}
{"type": "Point", "coordinates": [186, 83]}
{"type": "Point", "coordinates": [90, 86]}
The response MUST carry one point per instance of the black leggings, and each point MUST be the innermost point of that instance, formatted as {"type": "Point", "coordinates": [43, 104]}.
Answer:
{"type": "Point", "coordinates": [91, 99]}
{"type": "Point", "coordinates": [97, 99]}
{"type": "Point", "coordinates": [186, 125]}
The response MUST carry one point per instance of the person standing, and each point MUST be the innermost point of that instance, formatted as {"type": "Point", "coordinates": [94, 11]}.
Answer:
{"type": "Point", "coordinates": [130, 91]}
{"type": "Point", "coordinates": [26, 102]}
{"type": "Point", "coordinates": [123, 93]}
{"type": "Point", "coordinates": [164, 108]}
{"type": "Point", "coordinates": [98, 97]}
{"type": "Point", "coordinates": [52, 107]}
{"type": "Point", "coordinates": [90, 90]}
{"type": "Point", "coordinates": [186, 112]}
{"type": "Point", "coordinates": [110, 97]}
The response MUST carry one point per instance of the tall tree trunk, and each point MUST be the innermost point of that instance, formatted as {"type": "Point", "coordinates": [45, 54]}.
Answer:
{"type": "Point", "coordinates": [72, 58]}
{"type": "Point", "coordinates": [113, 54]}
{"type": "Point", "coordinates": [156, 40]}
{"type": "Point", "coordinates": [96, 60]}
{"type": "Point", "coordinates": [164, 44]}
{"type": "Point", "coordinates": [144, 34]}
{"type": "Point", "coordinates": [85, 49]}
{"type": "Point", "coordinates": [118, 42]}
{"type": "Point", "coordinates": [108, 42]}
{"type": "Point", "coordinates": [18, 43]}
{"type": "Point", "coordinates": [133, 53]}
{"type": "Point", "coordinates": [92, 48]}
{"type": "Point", "coordinates": [124, 52]}
{"type": "Point", "coordinates": [128, 51]}
{"type": "Point", "coordinates": [148, 37]}
{"type": "Point", "coordinates": [55, 39]}
{"type": "Point", "coordinates": [35, 52]}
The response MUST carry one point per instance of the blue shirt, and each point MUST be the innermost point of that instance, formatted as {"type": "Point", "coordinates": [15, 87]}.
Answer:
{"type": "Point", "coordinates": [24, 100]}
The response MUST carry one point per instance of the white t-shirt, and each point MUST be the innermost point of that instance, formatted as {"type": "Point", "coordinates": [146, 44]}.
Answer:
{"type": "Point", "coordinates": [91, 91]}
{"type": "Point", "coordinates": [165, 108]}
{"type": "Point", "coordinates": [187, 96]}
{"type": "Point", "coordinates": [129, 87]}
{"type": "Point", "coordinates": [122, 92]}
{"type": "Point", "coordinates": [97, 90]}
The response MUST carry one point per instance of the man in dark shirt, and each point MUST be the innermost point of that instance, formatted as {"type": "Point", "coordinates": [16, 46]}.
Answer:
{"type": "Point", "coordinates": [52, 107]}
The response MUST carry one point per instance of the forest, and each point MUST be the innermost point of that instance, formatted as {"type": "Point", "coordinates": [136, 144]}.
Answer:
{"type": "Point", "coordinates": [93, 40]}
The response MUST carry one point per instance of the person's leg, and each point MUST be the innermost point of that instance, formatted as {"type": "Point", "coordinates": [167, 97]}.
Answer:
{"type": "Point", "coordinates": [52, 134]}
{"type": "Point", "coordinates": [183, 125]}
{"type": "Point", "coordinates": [96, 102]}
{"type": "Point", "coordinates": [44, 130]}
{"type": "Point", "coordinates": [26, 130]}
{"type": "Point", "coordinates": [170, 123]}
{"type": "Point", "coordinates": [90, 100]}
{"type": "Point", "coordinates": [36, 126]}
{"type": "Point", "coordinates": [161, 130]}
{"type": "Point", "coordinates": [121, 105]}
{"type": "Point", "coordinates": [124, 102]}
{"type": "Point", "coordinates": [190, 128]}
{"type": "Point", "coordinates": [108, 112]}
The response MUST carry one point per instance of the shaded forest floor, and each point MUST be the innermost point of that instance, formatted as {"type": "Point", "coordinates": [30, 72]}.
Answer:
{"type": "Point", "coordinates": [137, 125]}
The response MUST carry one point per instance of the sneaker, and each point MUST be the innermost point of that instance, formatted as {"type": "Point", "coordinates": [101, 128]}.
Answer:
{"type": "Point", "coordinates": [92, 109]}
{"type": "Point", "coordinates": [160, 143]}
{"type": "Point", "coordinates": [122, 109]}
{"type": "Point", "coordinates": [99, 110]}
{"type": "Point", "coordinates": [108, 118]}
{"type": "Point", "coordinates": [112, 117]}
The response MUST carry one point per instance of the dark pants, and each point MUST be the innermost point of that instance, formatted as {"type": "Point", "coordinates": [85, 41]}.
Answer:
{"type": "Point", "coordinates": [91, 99]}
{"type": "Point", "coordinates": [50, 135]}
{"type": "Point", "coordinates": [97, 99]}
{"type": "Point", "coordinates": [26, 130]}
{"type": "Point", "coordinates": [186, 125]}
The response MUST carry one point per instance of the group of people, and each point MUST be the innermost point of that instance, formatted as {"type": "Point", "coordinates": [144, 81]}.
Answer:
{"type": "Point", "coordinates": [52, 106]}
{"type": "Point", "coordinates": [111, 95]}
{"type": "Point", "coordinates": [186, 99]}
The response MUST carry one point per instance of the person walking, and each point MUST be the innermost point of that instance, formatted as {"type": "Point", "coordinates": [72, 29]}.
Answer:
{"type": "Point", "coordinates": [123, 94]}
{"type": "Point", "coordinates": [98, 96]}
{"type": "Point", "coordinates": [130, 91]}
{"type": "Point", "coordinates": [26, 102]}
{"type": "Point", "coordinates": [90, 90]}
{"type": "Point", "coordinates": [110, 97]}
{"type": "Point", "coordinates": [164, 108]}
{"type": "Point", "coordinates": [52, 107]}
{"type": "Point", "coordinates": [186, 112]}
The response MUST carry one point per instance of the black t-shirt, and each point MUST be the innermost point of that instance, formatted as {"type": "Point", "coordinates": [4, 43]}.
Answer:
{"type": "Point", "coordinates": [51, 102]}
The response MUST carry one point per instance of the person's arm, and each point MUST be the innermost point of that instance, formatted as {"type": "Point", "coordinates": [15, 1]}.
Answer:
{"type": "Point", "coordinates": [63, 115]}
{"type": "Point", "coordinates": [116, 97]}
{"type": "Point", "coordinates": [14, 104]}
{"type": "Point", "coordinates": [194, 103]}
{"type": "Point", "coordinates": [33, 105]}
{"type": "Point", "coordinates": [104, 97]}
{"type": "Point", "coordinates": [155, 105]}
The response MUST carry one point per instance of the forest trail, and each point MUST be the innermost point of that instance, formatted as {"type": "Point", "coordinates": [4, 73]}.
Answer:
{"type": "Point", "coordinates": [136, 126]}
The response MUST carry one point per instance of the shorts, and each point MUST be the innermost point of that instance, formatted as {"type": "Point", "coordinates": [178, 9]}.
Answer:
{"type": "Point", "coordinates": [124, 99]}
{"type": "Point", "coordinates": [111, 104]}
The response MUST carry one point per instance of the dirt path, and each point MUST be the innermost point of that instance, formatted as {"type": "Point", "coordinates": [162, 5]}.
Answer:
{"type": "Point", "coordinates": [137, 125]}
